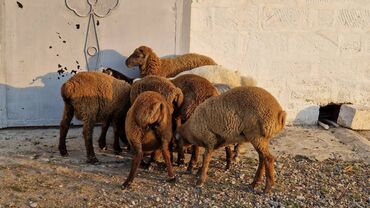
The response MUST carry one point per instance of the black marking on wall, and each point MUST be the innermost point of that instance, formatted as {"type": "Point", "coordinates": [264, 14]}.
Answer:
{"type": "Point", "coordinates": [20, 5]}
{"type": "Point", "coordinates": [73, 72]}
{"type": "Point", "coordinates": [60, 71]}
{"type": "Point", "coordinates": [59, 66]}
{"type": "Point", "coordinates": [78, 66]}
{"type": "Point", "coordinates": [50, 47]}
{"type": "Point", "coordinates": [64, 41]}
{"type": "Point", "coordinates": [77, 62]}
{"type": "Point", "coordinates": [77, 26]}
{"type": "Point", "coordinates": [57, 54]}
{"type": "Point", "coordinates": [97, 22]}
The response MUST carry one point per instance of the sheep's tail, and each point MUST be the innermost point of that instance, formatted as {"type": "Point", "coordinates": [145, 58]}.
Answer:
{"type": "Point", "coordinates": [247, 81]}
{"type": "Point", "coordinates": [66, 91]}
{"type": "Point", "coordinates": [152, 115]}
{"type": "Point", "coordinates": [281, 119]}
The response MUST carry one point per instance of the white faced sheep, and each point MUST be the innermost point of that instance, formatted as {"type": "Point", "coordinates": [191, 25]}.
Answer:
{"type": "Point", "coordinates": [149, 128]}
{"type": "Point", "coordinates": [150, 64]}
{"type": "Point", "coordinates": [94, 97]}
{"type": "Point", "coordinates": [242, 114]}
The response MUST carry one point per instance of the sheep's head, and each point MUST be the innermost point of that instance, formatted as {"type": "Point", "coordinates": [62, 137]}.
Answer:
{"type": "Point", "coordinates": [139, 57]}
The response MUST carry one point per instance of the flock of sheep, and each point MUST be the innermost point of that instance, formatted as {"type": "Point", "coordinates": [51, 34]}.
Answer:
{"type": "Point", "coordinates": [202, 105]}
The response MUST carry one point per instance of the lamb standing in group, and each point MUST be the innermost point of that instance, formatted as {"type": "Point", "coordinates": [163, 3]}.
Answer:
{"type": "Point", "coordinates": [242, 114]}
{"type": "Point", "coordinates": [150, 64]}
{"type": "Point", "coordinates": [149, 128]}
{"type": "Point", "coordinates": [94, 97]}
{"type": "Point", "coordinates": [196, 90]}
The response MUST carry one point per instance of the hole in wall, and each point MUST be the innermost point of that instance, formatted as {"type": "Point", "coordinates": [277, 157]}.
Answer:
{"type": "Point", "coordinates": [329, 112]}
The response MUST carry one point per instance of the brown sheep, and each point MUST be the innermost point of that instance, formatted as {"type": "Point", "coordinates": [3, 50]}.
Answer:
{"type": "Point", "coordinates": [196, 90]}
{"type": "Point", "coordinates": [172, 94]}
{"type": "Point", "coordinates": [150, 64]}
{"type": "Point", "coordinates": [166, 88]}
{"type": "Point", "coordinates": [242, 114]}
{"type": "Point", "coordinates": [94, 97]}
{"type": "Point", "coordinates": [149, 128]}
{"type": "Point", "coordinates": [118, 75]}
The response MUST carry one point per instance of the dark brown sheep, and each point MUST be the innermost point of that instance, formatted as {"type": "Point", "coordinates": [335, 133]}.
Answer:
{"type": "Point", "coordinates": [150, 64]}
{"type": "Point", "coordinates": [94, 97]}
{"type": "Point", "coordinates": [149, 128]}
{"type": "Point", "coordinates": [242, 114]}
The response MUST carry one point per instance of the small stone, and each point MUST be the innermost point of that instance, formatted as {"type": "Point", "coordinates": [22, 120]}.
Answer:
{"type": "Point", "coordinates": [33, 204]}
{"type": "Point", "coordinates": [157, 199]}
{"type": "Point", "coordinates": [300, 197]}
{"type": "Point", "coordinates": [233, 182]}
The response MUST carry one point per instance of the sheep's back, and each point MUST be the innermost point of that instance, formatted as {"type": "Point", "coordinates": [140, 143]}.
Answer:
{"type": "Point", "coordinates": [154, 83]}
{"type": "Point", "coordinates": [196, 90]}
{"type": "Point", "coordinates": [247, 110]}
{"type": "Point", "coordinates": [95, 94]}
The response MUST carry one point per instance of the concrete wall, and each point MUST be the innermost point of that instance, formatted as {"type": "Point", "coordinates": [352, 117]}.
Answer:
{"type": "Point", "coordinates": [43, 34]}
{"type": "Point", "coordinates": [305, 52]}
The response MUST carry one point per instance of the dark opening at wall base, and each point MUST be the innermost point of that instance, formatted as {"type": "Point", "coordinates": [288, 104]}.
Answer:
{"type": "Point", "coordinates": [329, 112]}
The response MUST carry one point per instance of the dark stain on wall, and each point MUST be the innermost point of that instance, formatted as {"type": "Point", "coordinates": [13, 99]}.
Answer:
{"type": "Point", "coordinates": [20, 5]}
{"type": "Point", "coordinates": [77, 26]}
{"type": "Point", "coordinates": [97, 22]}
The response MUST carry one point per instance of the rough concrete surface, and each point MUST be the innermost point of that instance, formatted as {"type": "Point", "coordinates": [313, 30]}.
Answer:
{"type": "Point", "coordinates": [314, 168]}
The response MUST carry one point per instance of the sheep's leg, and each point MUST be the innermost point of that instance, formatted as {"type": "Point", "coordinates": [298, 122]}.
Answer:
{"type": "Point", "coordinates": [180, 157]}
{"type": "Point", "coordinates": [270, 172]}
{"type": "Point", "coordinates": [236, 152]}
{"type": "Point", "coordinates": [167, 159]}
{"type": "Point", "coordinates": [116, 129]}
{"type": "Point", "coordinates": [64, 126]}
{"type": "Point", "coordinates": [194, 158]}
{"type": "Point", "coordinates": [102, 138]}
{"type": "Point", "coordinates": [229, 157]}
{"type": "Point", "coordinates": [206, 159]}
{"type": "Point", "coordinates": [138, 156]}
{"type": "Point", "coordinates": [88, 129]}
{"type": "Point", "coordinates": [260, 171]}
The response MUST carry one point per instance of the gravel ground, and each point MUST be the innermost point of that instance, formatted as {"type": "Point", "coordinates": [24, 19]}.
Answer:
{"type": "Point", "coordinates": [32, 174]}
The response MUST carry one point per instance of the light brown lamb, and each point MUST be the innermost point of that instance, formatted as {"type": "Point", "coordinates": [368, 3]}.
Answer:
{"type": "Point", "coordinates": [149, 128]}
{"type": "Point", "coordinates": [150, 64]}
{"type": "Point", "coordinates": [242, 114]}
{"type": "Point", "coordinates": [94, 97]}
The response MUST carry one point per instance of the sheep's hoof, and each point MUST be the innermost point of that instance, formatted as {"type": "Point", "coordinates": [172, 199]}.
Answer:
{"type": "Point", "coordinates": [126, 185]}
{"type": "Point", "coordinates": [267, 190]}
{"type": "Point", "coordinates": [102, 145]}
{"type": "Point", "coordinates": [189, 171]}
{"type": "Point", "coordinates": [172, 180]}
{"type": "Point", "coordinates": [117, 150]}
{"type": "Point", "coordinates": [200, 183]}
{"type": "Point", "coordinates": [181, 162]}
{"type": "Point", "coordinates": [92, 160]}
{"type": "Point", "coordinates": [63, 151]}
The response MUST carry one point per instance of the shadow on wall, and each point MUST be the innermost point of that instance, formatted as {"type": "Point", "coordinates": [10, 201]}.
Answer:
{"type": "Point", "coordinates": [112, 59]}
{"type": "Point", "coordinates": [38, 105]}
{"type": "Point", "coordinates": [307, 116]}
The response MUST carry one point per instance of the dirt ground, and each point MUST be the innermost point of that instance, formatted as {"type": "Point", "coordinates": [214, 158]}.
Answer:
{"type": "Point", "coordinates": [314, 168]}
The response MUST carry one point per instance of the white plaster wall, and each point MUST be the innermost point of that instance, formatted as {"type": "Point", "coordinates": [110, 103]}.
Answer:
{"type": "Point", "coordinates": [307, 53]}
{"type": "Point", "coordinates": [29, 82]}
